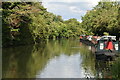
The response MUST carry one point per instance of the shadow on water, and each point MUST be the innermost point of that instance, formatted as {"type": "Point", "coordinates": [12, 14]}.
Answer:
{"type": "Point", "coordinates": [22, 62]}
{"type": "Point", "coordinates": [88, 60]}
{"type": "Point", "coordinates": [67, 58]}
{"type": "Point", "coordinates": [115, 69]}
{"type": "Point", "coordinates": [26, 61]}
{"type": "Point", "coordinates": [105, 67]}
{"type": "Point", "coordinates": [108, 69]}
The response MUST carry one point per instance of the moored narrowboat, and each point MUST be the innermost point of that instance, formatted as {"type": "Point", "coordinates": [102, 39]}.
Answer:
{"type": "Point", "coordinates": [107, 46]}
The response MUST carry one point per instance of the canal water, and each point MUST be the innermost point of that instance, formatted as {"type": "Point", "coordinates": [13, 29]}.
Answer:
{"type": "Point", "coordinates": [66, 58]}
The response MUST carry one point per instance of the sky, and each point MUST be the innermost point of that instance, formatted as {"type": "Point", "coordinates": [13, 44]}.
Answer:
{"type": "Point", "coordinates": [69, 8]}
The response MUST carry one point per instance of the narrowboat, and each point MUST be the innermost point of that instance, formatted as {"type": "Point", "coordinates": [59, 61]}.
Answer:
{"type": "Point", "coordinates": [107, 47]}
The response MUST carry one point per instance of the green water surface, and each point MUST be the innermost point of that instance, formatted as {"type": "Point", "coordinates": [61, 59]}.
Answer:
{"type": "Point", "coordinates": [65, 58]}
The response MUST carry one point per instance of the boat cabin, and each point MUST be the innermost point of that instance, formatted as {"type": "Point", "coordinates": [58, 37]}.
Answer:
{"type": "Point", "coordinates": [108, 43]}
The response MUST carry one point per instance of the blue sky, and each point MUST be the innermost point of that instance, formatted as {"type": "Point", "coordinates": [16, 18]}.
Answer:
{"type": "Point", "coordinates": [69, 8]}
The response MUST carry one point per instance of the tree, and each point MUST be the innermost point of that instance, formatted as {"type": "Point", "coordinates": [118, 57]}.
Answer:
{"type": "Point", "coordinates": [103, 18]}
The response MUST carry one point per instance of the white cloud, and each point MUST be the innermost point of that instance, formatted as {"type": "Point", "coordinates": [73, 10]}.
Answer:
{"type": "Point", "coordinates": [69, 8]}
{"type": "Point", "coordinates": [68, 0]}
{"type": "Point", "coordinates": [94, 2]}
{"type": "Point", "coordinates": [75, 9]}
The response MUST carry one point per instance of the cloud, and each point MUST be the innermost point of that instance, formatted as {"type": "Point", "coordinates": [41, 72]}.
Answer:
{"type": "Point", "coordinates": [69, 8]}
{"type": "Point", "coordinates": [71, 1]}
{"type": "Point", "coordinates": [75, 9]}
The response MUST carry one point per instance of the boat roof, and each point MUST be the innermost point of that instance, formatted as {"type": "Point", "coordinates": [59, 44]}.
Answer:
{"type": "Point", "coordinates": [107, 37]}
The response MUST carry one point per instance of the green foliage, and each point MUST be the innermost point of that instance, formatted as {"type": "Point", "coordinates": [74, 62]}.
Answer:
{"type": "Point", "coordinates": [28, 22]}
{"type": "Point", "coordinates": [103, 18]}
{"type": "Point", "coordinates": [15, 17]}
{"type": "Point", "coordinates": [105, 33]}
{"type": "Point", "coordinates": [116, 69]}
{"type": "Point", "coordinates": [33, 22]}
{"type": "Point", "coordinates": [74, 27]}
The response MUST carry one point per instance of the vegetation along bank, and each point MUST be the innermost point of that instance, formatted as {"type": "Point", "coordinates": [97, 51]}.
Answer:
{"type": "Point", "coordinates": [29, 22]}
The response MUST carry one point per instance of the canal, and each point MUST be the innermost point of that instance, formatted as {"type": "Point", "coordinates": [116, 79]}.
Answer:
{"type": "Point", "coordinates": [66, 58]}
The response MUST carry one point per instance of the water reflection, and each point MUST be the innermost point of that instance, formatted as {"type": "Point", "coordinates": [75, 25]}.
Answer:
{"type": "Point", "coordinates": [63, 66]}
{"type": "Point", "coordinates": [51, 59]}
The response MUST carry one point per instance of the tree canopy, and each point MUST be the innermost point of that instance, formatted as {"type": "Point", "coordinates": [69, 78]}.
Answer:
{"type": "Point", "coordinates": [103, 18]}
{"type": "Point", "coordinates": [29, 22]}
